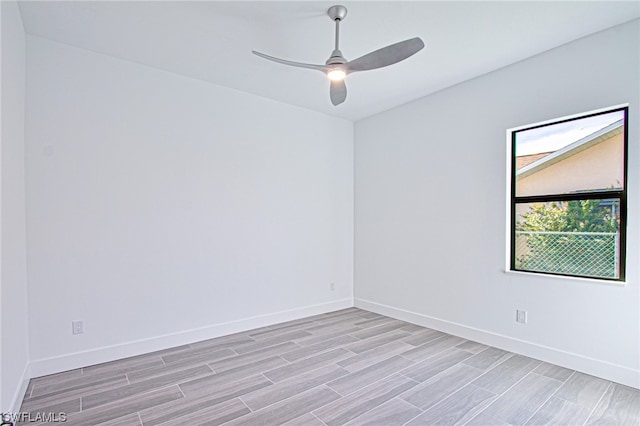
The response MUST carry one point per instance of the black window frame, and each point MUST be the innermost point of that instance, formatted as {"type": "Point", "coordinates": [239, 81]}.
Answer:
{"type": "Point", "coordinates": [620, 194]}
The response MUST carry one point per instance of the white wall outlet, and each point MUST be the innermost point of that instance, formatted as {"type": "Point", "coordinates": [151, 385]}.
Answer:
{"type": "Point", "coordinates": [332, 286]}
{"type": "Point", "coordinates": [77, 327]}
{"type": "Point", "coordinates": [521, 316]}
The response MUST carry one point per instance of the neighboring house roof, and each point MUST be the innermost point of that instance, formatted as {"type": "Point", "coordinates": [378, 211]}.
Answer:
{"type": "Point", "coordinates": [525, 160]}
{"type": "Point", "coordinates": [547, 159]}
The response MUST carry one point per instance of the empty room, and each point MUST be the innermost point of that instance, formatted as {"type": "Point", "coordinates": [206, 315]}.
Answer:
{"type": "Point", "coordinates": [320, 213]}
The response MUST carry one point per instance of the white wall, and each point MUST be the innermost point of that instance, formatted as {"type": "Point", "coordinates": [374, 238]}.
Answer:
{"type": "Point", "coordinates": [13, 284]}
{"type": "Point", "coordinates": [430, 216]}
{"type": "Point", "coordinates": [162, 209]}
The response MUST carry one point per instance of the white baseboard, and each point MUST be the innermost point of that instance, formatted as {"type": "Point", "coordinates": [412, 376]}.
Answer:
{"type": "Point", "coordinates": [16, 401]}
{"type": "Point", "coordinates": [615, 373]}
{"type": "Point", "coordinates": [72, 361]}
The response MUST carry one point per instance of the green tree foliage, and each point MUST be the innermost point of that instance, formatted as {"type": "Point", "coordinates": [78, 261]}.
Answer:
{"type": "Point", "coordinates": [571, 216]}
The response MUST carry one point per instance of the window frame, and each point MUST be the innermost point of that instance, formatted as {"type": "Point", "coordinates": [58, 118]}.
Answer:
{"type": "Point", "coordinates": [620, 194]}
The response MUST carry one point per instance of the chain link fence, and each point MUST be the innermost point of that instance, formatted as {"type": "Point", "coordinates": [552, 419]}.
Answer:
{"type": "Point", "coordinates": [593, 254]}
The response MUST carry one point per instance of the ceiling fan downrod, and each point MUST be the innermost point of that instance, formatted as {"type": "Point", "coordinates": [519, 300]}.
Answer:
{"type": "Point", "coordinates": [337, 13]}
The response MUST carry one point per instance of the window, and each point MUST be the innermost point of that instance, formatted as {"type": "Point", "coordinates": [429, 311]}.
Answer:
{"type": "Point", "coordinates": [568, 196]}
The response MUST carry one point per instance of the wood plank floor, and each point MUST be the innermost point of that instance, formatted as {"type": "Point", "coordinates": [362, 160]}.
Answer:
{"type": "Point", "coordinates": [349, 367]}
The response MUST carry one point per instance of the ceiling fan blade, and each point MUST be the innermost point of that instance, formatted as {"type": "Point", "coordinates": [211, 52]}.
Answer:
{"type": "Point", "coordinates": [322, 68]}
{"type": "Point", "coordinates": [388, 55]}
{"type": "Point", "coordinates": [338, 92]}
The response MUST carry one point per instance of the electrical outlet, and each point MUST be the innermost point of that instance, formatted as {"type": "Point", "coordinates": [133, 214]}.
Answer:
{"type": "Point", "coordinates": [77, 327]}
{"type": "Point", "coordinates": [521, 316]}
{"type": "Point", "coordinates": [332, 286]}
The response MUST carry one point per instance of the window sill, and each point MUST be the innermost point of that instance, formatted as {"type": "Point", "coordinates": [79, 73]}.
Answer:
{"type": "Point", "coordinates": [565, 277]}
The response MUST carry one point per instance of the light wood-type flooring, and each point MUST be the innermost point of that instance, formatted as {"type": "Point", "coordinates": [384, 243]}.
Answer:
{"type": "Point", "coordinates": [349, 367]}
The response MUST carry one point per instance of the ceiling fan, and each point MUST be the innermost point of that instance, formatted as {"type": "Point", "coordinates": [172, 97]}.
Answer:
{"type": "Point", "coordinates": [337, 67]}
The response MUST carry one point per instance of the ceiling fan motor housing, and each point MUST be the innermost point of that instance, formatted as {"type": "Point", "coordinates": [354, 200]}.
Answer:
{"type": "Point", "coordinates": [336, 58]}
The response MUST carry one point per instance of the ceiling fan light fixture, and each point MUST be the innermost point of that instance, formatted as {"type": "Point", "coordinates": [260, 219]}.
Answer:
{"type": "Point", "coordinates": [336, 74]}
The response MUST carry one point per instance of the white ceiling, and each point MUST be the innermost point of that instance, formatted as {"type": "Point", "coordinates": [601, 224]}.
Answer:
{"type": "Point", "coordinates": [212, 41]}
